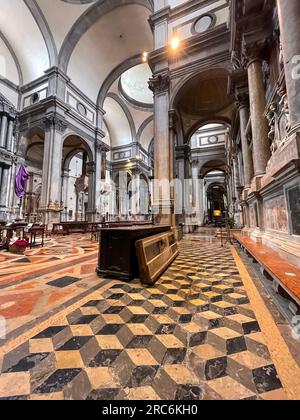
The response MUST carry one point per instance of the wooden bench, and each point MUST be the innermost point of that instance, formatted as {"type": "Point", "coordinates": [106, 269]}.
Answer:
{"type": "Point", "coordinates": [280, 270]}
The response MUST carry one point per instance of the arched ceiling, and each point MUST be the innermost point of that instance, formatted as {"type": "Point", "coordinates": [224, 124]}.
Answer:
{"type": "Point", "coordinates": [81, 36]}
{"type": "Point", "coordinates": [203, 98]}
{"type": "Point", "coordinates": [105, 45]}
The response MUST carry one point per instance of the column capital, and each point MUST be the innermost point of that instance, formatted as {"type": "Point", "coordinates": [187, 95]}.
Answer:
{"type": "Point", "coordinates": [241, 100]}
{"type": "Point", "coordinates": [159, 84]}
{"type": "Point", "coordinates": [55, 121]}
{"type": "Point", "coordinates": [253, 52]}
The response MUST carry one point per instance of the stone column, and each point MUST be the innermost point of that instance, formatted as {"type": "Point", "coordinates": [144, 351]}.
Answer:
{"type": "Point", "coordinates": [4, 186]}
{"type": "Point", "coordinates": [3, 132]}
{"type": "Point", "coordinates": [289, 17]}
{"type": "Point", "coordinates": [10, 136]}
{"type": "Point", "coordinates": [52, 169]}
{"type": "Point", "coordinates": [91, 172]}
{"type": "Point", "coordinates": [135, 193]}
{"type": "Point", "coordinates": [247, 154]}
{"type": "Point", "coordinates": [162, 205]}
{"type": "Point", "coordinates": [261, 144]}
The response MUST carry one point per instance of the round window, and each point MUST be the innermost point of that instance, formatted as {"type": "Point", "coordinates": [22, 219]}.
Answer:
{"type": "Point", "coordinates": [203, 24]}
{"type": "Point", "coordinates": [213, 140]}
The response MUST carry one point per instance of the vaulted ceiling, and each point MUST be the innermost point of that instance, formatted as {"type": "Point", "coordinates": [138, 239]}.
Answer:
{"type": "Point", "coordinates": [93, 42]}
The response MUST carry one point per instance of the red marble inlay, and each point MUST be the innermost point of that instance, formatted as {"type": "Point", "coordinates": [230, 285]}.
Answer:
{"type": "Point", "coordinates": [12, 306]}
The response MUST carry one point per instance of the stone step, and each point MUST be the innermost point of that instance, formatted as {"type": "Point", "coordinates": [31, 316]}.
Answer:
{"type": "Point", "coordinates": [207, 362]}
{"type": "Point", "coordinates": [236, 299]}
{"type": "Point", "coordinates": [242, 324]}
{"type": "Point", "coordinates": [254, 372]}
{"type": "Point", "coordinates": [226, 340]}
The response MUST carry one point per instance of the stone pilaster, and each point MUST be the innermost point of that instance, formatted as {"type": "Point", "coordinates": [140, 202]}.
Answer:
{"type": "Point", "coordinates": [51, 205]}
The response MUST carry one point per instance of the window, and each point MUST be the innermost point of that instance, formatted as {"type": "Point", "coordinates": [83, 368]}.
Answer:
{"type": "Point", "coordinates": [204, 23]}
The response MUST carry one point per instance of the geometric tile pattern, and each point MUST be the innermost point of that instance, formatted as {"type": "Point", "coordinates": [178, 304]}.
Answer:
{"type": "Point", "coordinates": [191, 336]}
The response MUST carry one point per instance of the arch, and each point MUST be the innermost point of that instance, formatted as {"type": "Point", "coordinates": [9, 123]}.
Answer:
{"type": "Point", "coordinates": [45, 30]}
{"type": "Point", "coordinates": [84, 145]}
{"type": "Point", "coordinates": [127, 113]}
{"type": "Point", "coordinates": [85, 21]}
{"type": "Point", "coordinates": [184, 80]}
{"type": "Point", "coordinates": [201, 123]}
{"type": "Point", "coordinates": [14, 57]}
{"type": "Point", "coordinates": [113, 76]}
{"type": "Point", "coordinates": [143, 126]}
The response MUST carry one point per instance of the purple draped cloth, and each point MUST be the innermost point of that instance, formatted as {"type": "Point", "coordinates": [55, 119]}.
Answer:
{"type": "Point", "coordinates": [21, 181]}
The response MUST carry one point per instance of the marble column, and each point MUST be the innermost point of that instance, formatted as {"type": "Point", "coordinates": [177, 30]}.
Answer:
{"type": "Point", "coordinates": [135, 193]}
{"type": "Point", "coordinates": [162, 205]}
{"type": "Point", "coordinates": [261, 144]}
{"type": "Point", "coordinates": [3, 132]}
{"type": "Point", "coordinates": [50, 204]}
{"type": "Point", "coordinates": [289, 17]}
{"type": "Point", "coordinates": [246, 151]}
{"type": "Point", "coordinates": [91, 211]}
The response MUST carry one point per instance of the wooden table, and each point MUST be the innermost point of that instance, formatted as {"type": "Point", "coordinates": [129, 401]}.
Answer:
{"type": "Point", "coordinates": [117, 255]}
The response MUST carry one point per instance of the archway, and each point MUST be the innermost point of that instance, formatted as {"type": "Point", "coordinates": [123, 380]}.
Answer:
{"type": "Point", "coordinates": [77, 179]}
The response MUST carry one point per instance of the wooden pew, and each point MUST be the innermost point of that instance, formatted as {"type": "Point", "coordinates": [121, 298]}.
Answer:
{"type": "Point", "coordinates": [280, 270]}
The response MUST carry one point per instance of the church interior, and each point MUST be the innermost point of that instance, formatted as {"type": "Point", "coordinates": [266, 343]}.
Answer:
{"type": "Point", "coordinates": [150, 200]}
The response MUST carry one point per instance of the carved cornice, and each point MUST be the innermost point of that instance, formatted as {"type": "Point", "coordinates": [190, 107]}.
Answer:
{"type": "Point", "coordinates": [159, 84]}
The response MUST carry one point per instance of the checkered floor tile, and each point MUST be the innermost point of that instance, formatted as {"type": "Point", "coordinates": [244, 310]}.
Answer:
{"type": "Point", "coordinates": [192, 336]}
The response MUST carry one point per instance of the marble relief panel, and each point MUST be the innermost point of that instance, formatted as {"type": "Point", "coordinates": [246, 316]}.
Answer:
{"type": "Point", "coordinates": [276, 214]}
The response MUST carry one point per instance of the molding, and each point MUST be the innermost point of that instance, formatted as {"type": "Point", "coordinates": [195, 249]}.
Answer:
{"type": "Point", "coordinates": [143, 126]}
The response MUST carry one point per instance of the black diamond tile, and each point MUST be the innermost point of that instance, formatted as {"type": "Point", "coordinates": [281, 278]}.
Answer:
{"type": "Point", "coordinates": [138, 319]}
{"type": "Point", "coordinates": [166, 329]}
{"type": "Point", "coordinates": [63, 282]}
{"type": "Point", "coordinates": [160, 310]}
{"type": "Point", "coordinates": [103, 395]}
{"type": "Point", "coordinates": [110, 329]}
{"type": "Point", "coordinates": [114, 310]}
{"type": "Point", "coordinates": [142, 376]}
{"type": "Point", "coordinates": [23, 260]}
{"type": "Point", "coordinates": [84, 320]}
{"type": "Point", "coordinates": [92, 304]}
{"type": "Point", "coordinates": [105, 358]}
{"type": "Point", "coordinates": [49, 332]}
{"type": "Point", "coordinates": [174, 356]}
{"type": "Point", "coordinates": [188, 393]}
{"type": "Point", "coordinates": [117, 296]}
{"type": "Point", "coordinates": [28, 363]}
{"type": "Point", "coordinates": [57, 381]}
{"type": "Point", "coordinates": [76, 343]}
{"type": "Point", "coordinates": [266, 379]}
{"type": "Point", "coordinates": [139, 342]}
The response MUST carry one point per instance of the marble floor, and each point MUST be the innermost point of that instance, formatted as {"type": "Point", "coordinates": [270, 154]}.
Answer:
{"type": "Point", "coordinates": [202, 332]}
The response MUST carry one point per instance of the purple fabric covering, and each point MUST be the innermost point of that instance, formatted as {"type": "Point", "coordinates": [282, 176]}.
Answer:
{"type": "Point", "coordinates": [21, 181]}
